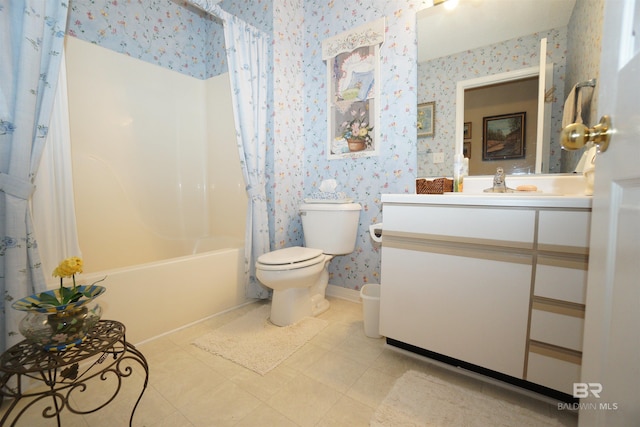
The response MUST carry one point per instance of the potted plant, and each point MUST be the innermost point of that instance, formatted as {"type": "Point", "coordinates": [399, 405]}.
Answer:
{"type": "Point", "coordinates": [357, 131]}
{"type": "Point", "coordinates": [60, 318]}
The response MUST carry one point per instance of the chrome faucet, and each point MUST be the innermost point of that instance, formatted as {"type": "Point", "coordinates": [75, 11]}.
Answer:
{"type": "Point", "coordinates": [499, 183]}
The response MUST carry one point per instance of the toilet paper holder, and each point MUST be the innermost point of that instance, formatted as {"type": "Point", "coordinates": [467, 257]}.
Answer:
{"type": "Point", "coordinates": [375, 230]}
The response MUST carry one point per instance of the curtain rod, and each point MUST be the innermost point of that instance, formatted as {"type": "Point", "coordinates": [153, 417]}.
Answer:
{"type": "Point", "coordinates": [209, 6]}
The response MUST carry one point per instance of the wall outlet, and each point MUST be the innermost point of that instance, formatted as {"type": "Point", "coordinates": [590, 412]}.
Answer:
{"type": "Point", "coordinates": [438, 157]}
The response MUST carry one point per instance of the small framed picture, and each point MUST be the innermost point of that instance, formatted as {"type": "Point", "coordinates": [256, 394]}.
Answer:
{"type": "Point", "coordinates": [426, 115]}
{"type": "Point", "coordinates": [503, 137]}
{"type": "Point", "coordinates": [466, 149]}
{"type": "Point", "coordinates": [467, 130]}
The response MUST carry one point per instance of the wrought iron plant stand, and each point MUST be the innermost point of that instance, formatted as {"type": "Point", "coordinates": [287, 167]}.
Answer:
{"type": "Point", "coordinates": [104, 355]}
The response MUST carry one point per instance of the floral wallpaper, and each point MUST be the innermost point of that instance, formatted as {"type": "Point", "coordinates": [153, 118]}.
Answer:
{"type": "Point", "coordinates": [169, 33]}
{"type": "Point", "coordinates": [364, 179]}
{"type": "Point", "coordinates": [163, 32]}
{"type": "Point", "coordinates": [437, 80]}
{"type": "Point", "coordinates": [290, 138]}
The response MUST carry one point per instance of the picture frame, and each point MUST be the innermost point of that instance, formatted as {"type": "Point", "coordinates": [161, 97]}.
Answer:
{"type": "Point", "coordinates": [503, 136]}
{"type": "Point", "coordinates": [353, 91]}
{"type": "Point", "coordinates": [426, 118]}
{"type": "Point", "coordinates": [467, 130]}
{"type": "Point", "coordinates": [466, 149]}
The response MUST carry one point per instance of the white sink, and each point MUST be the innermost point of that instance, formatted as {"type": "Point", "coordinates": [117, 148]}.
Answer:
{"type": "Point", "coordinates": [512, 194]}
{"type": "Point", "coordinates": [548, 185]}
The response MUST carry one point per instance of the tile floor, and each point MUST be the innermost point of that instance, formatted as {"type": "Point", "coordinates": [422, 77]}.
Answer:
{"type": "Point", "coordinates": [337, 379]}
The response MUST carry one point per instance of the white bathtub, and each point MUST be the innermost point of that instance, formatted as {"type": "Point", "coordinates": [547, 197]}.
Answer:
{"type": "Point", "coordinates": [155, 298]}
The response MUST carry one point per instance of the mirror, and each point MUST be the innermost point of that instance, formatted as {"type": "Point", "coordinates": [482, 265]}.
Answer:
{"type": "Point", "coordinates": [487, 37]}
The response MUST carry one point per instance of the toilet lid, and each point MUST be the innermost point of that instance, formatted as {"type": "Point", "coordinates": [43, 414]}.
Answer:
{"type": "Point", "coordinates": [290, 255]}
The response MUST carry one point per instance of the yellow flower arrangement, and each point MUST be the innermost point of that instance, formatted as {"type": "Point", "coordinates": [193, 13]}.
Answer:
{"type": "Point", "coordinates": [67, 268]}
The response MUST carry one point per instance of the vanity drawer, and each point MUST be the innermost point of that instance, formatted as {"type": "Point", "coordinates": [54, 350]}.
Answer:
{"type": "Point", "coordinates": [564, 231]}
{"type": "Point", "coordinates": [492, 226]}
{"type": "Point", "coordinates": [561, 279]}
{"type": "Point", "coordinates": [562, 330]}
{"type": "Point", "coordinates": [554, 370]}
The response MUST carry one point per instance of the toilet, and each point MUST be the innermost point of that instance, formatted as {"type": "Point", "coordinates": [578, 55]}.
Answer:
{"type": "Point", "coordinates": [299, 275]}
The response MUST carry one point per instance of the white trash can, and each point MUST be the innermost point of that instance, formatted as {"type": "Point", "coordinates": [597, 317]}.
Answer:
{"type": "Point", "coordinates": [370, 294]}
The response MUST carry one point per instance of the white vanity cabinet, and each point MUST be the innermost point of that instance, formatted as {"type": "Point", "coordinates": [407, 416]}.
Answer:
{"type": "Point", "coordinates": [495, 282]}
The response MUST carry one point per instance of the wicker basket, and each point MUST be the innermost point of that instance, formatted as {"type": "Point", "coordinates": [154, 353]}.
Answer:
{"type": "Point", "coordinates": [436, 186]}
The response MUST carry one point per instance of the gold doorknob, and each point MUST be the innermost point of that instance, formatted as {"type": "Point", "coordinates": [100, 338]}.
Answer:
{"type": "Point", "coordinates": [577, 135]}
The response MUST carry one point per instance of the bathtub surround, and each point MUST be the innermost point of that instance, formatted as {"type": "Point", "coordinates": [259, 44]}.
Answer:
{"type": "Point", "coordinates": [420, 399]}
{"type": "Point", "coordinates": [159, 148]}
{"type": "Point", "coordinates": [247, 52]}
{"type": "Point", "coordinates": [254, 342]}
{"type": "Point", "coordinates": [156, 169]}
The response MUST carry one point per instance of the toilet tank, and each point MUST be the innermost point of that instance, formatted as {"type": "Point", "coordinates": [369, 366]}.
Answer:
{"type": "Point", "coordinates": [332, 227]}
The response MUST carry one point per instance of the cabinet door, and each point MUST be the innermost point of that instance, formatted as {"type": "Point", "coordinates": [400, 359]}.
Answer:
{"type": "Point", "coordinates": [470, 308]}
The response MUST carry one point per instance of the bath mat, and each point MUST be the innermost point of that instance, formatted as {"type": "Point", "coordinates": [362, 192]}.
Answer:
{"type": "Point", "coordinates": [257, 344]}
{"type": "Point", "coordinates": [417, 399]}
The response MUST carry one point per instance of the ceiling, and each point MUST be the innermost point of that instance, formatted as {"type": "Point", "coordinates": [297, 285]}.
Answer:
{"type": "Point", "coordinates": [477, 23]}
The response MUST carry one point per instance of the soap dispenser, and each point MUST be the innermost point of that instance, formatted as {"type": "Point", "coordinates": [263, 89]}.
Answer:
{"type": "Point", "coordinates": [458, 173]}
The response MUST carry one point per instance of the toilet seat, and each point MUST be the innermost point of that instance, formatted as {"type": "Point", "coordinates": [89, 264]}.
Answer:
{"type": "Point", "coordinates": [290, 258]}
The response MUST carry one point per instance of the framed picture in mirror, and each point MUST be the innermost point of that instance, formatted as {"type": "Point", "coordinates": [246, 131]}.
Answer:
{"type": "Point", "coordinates": [426, 116]}
{"type": "Point", "coordinates": [467, 130]}
{"type": "Point", "coordinates": [503, 136]}
{"type": "Point", "coordinates": [466, 149]}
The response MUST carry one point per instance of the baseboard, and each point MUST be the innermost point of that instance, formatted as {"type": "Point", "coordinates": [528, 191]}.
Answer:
{"type": "Point", "coordinates": [343, 293]}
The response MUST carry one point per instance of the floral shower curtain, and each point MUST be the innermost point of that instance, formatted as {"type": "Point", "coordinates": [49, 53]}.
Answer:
{"type": "Point", "coordinates": [247, 56]}
{"type": "Point", "coordinates": [31, 39]}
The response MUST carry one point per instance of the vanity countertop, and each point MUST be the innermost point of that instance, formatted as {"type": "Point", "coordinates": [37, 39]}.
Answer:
{"type": "Point", "coordinates": [532, 200]}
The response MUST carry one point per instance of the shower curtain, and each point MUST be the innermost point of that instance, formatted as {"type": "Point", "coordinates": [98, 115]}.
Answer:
{"type": "Point", "coordinates": [31, 39]}
{"type": "Point", "coordinates": [53, 204]}
{"type": "Point", "coordinates": [247, 56]}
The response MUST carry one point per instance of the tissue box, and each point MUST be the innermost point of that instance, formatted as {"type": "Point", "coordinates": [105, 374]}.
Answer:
{"type": "Point", "coordinates": [436, 186]}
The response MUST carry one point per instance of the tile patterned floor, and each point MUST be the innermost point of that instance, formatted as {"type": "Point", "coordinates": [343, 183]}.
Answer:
{"type": "Point", "coordinates": [337, 379]}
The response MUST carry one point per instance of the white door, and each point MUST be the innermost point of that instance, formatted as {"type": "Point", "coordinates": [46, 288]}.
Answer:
{"type": "Point", "coordinates": [611, 354]}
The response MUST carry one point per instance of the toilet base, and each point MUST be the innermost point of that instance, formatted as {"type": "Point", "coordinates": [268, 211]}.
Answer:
{"type": "Point", "coordinates": [292, 305]}
{"type": "Point", "coordinates": [289, 306]}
